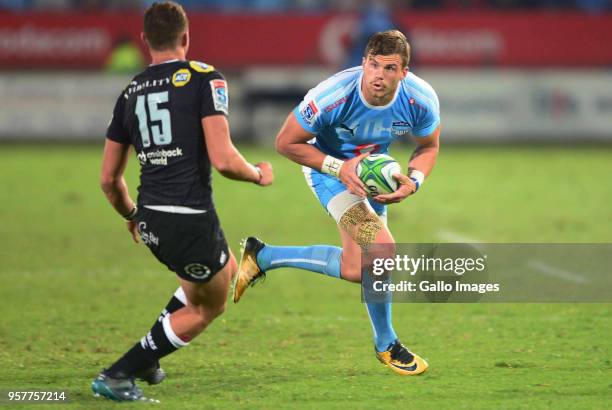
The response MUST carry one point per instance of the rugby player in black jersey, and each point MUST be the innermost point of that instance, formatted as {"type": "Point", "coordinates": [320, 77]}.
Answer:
{"type": "Point", "coordinates": [174, 114]}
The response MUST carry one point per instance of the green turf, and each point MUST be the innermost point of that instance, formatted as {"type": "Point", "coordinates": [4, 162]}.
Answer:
{"type": "Point", "coordinates": [76, 293]}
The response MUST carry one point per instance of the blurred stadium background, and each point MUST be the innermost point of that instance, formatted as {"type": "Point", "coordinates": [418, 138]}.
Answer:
{"type": "Point", "coordinates": [505, 70]}
{"type": "Point", "coordinates": [523, 85]}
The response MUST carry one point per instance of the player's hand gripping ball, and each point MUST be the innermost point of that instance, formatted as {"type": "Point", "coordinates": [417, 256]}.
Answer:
{"type": "Point", "coordinates": [376, 172]}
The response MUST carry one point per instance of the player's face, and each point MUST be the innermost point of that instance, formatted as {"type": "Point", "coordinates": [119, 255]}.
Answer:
{"type": "Point", "coordinates": [381, 76]}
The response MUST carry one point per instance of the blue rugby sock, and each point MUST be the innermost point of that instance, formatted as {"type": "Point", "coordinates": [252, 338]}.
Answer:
{"type": "Point", "coordinates": [380, 316]}
{"type": "Point", "coordinates": [323, 259]}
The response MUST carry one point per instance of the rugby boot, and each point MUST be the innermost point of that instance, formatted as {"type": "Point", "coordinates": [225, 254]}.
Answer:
{"type": "Point", "coordinates": [249, 272]}
{"type": "Point", "coordinates": [401, 360]}
{"type": "Point", "coordinates": [120, 389]}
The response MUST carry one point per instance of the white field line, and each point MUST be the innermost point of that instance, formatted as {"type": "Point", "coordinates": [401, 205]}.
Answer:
{"type": "Point", "coordinates": [456, 237]}
{"type": "Point", "coordinates": [552, 271]}
{"type": "Point", "coordinates": [539, 267]}
{"type": "Point", "coordinates": [453, 236]}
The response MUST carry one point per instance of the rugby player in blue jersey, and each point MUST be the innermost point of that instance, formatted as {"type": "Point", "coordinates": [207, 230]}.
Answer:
{"type": "Point", "coordinates": [353, 113]}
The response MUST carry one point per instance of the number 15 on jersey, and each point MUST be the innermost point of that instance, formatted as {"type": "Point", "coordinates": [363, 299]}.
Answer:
{"type": "Point", "coordinates": [162, 132]}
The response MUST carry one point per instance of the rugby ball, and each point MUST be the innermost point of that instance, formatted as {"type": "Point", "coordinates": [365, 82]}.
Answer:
{"type": "Point", "coordinates": [376, 172]}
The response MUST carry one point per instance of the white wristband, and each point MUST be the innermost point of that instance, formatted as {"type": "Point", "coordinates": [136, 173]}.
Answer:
{"type": "Point", "coordinates": [130, 215]}
{"type": "Point", "coordinates": [331, 165]}
{"type": "Point", "coordinates": [258, 170]}
{"type": "Point", "coordinates": [418, 177]}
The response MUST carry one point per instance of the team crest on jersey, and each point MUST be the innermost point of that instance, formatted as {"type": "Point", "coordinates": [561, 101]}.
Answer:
{"type": "Point", "coordinates": [181, 77]}
{"type": "Point", "coordinates": [201, 67]}
{"type": "Point", "coordinates": [219, 94]}
{"type": "Point", "coordinates": [400, 128]}
{"type": "Point", "coordinates": [309, 112]}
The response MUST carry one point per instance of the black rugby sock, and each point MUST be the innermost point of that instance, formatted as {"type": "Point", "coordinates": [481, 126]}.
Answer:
{"type": "Point", "coordinates": [176, 302]}
{"type": "Point", "coordinates": [159, 342]}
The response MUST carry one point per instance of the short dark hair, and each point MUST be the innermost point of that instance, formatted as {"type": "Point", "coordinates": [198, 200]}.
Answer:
{"type": "Point", "coordinates": [388, 42]}
{"type": "Point", "coordinates": [164, 24]}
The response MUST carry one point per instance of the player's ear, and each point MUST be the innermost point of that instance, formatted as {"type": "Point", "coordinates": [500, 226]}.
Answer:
{"type": "Point", "coordinates": [185, 40]}
{"type": "Point", "coordinates": [405, 71]}
{"type": "Point", "coordinates": [363, 61]}
{"type": "Point", "coordinates": [144, 39]}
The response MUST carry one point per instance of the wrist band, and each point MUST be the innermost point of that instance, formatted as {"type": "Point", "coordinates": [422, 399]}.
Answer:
{"type": "Point", "coordinates": [418, 177]}
{"type": "Point", "coordinates": [331, 165]}
{"type": "Point", "coordinates": [259, 173]}
{"type": "Point", "coordinates": [130, 215]}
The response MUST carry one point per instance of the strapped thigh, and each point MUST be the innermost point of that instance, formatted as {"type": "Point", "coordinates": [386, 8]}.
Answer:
{"type": "Point", "coordinates": [361, 222]}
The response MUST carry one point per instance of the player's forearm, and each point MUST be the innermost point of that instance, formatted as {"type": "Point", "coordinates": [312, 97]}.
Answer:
{"type": "Point", "coordinates": [302, 153]}
{"type": "Point", "coordinates": [235, 167]}
{"type": "Point", "coordinates": [118, 196]}
{"type": "Point", "coordinates": [423, 159]}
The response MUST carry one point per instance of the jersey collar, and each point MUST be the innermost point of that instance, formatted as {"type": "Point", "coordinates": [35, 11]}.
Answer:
{"type": "Point", "coordinates": [165, 62]}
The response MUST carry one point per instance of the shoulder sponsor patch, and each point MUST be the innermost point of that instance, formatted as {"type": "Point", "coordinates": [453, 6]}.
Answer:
{"type": "Point", "coordinates": [219, 94]}
{"type": "Point", "coordinates": [181, 77]}
{"type": "Point", "coordinates": [201, 67]}
{"type": "Point", "coordinates": [309, 112]}
{"type": "Point", "coordinates": [336, 104]}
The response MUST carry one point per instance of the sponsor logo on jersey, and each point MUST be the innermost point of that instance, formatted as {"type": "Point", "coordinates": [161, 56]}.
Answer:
{"type": "Point", "coordinates": [309, 112]}
{"type": "Point", "coordinates": [201, 67]}
{"type": "Point", "coordinates": [369, 148]}
{"type": "Point", "coordinates": [219, 94]}
{"type": "Point", "coordinates": [135, 87]}
{"type": "Point", "coordinates": [198, 271]}
{"type": "Point", "coordinates": [181, 77]}
{"type": "Point", "coordinates": [148, 238]}
{"type": "Point", "coordinates": [142, 157]}
{"type": "Point", "coordinates": [336, 104]}
{"type": "Point", "coordinates": [349, 129]}
{"type": "Point", "coordinates": [159, 156]}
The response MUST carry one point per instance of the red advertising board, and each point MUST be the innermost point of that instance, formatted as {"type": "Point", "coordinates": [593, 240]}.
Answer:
{"type": "Point", "coordinates": [74, 41]}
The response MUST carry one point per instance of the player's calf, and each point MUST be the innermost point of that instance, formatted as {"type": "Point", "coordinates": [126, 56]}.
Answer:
{"type": "Point", "coordinates": [205, 302]}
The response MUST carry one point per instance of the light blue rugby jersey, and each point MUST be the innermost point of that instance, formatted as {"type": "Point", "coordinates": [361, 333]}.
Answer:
{"type": "Point", "coordinates": [344, 123]}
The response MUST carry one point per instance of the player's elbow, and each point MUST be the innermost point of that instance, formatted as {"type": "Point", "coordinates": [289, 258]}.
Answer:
{"type": "Point", "coordinates": [221, 164]}
{"type": "Point", "coordinates": [281, 145]}
{"type": "Point", "coordinates": [227, 163]}
{"type": "Point", "coordinates": [108, 183]}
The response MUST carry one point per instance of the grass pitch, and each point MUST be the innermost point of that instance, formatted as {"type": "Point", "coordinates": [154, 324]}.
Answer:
{"type": "Point", "coordinates": [76, 292]}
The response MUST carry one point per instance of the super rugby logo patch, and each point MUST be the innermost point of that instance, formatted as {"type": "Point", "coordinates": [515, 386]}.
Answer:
{"type": "Point", "coordinates": [309, 112]}
{"type": "Point", "coordinates": [219, 94]}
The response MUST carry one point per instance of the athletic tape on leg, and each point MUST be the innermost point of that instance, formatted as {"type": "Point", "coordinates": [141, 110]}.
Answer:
{"type": "Point", "coordinates": [368, 225]}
